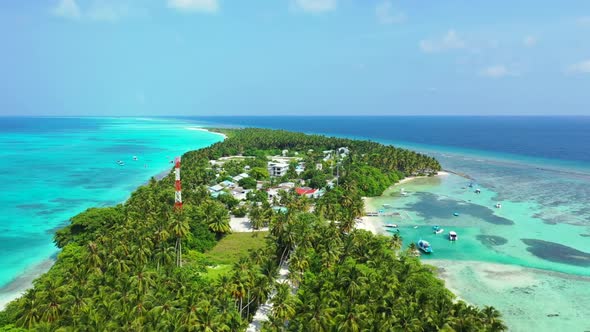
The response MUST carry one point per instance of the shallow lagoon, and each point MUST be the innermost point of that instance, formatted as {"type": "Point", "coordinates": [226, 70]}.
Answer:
{"type": "Point", "coordinates": [527, 258]}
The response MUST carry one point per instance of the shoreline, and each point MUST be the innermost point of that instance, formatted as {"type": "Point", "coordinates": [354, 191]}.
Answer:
{"type": "Point", "coordinates": [207, 130]}
{"type": "Point", "coordinates": [375, 224]}
{"type": "Point", "coordinates": [412, 178]}
{"type": "Point", "coordinates": [22, 282]}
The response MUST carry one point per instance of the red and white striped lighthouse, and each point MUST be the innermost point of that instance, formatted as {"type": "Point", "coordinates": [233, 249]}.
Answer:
{"type": "Point", "coordinates": [178, 193]}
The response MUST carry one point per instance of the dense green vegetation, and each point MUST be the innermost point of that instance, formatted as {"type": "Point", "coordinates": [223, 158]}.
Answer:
{"type": "Point", "coordinates": [143, 266]}
{"type": "Point", "coordinates": [361, 282]}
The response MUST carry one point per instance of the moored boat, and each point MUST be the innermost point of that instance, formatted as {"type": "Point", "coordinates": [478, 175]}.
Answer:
{"type": "Point", "coordinates": [121, 162]}
{"type": "Point", "coordinates": [387, 206]}
{"type": "Point", "coordinates": [453, 236]}
{"type": "Point", "coordinates": [424, 246]}
{"type": "Point", "coordinates": [437, 229]}
{"type": "Point", "coordinates": [498, 205]}
{"type": "Point", "coordinates": [391, 225]}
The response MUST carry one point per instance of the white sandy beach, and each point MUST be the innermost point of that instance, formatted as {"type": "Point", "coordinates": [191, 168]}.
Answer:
{"type": "Point", "coordinates": [205, 129]}
{"type": "Point", "coordinates": [243, 225]}
{"type": "Point", "coordinates": [375, 224]}
{"type": "Point", "coordinates": [410, 178]}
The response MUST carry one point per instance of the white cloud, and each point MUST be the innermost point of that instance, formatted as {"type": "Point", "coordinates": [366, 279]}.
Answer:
{"type": "Point", "coordinates": [98, 10]}
{"type": "Point", "coordinates": [582, 67]}
{"type": "Point", "coordinates": [67, 9]}
{"type": "Point", "coordinates": [450, 41]}
{"type": "Point", "coordinates": [583, 22]}
{"type": "Point", "coordinates": [107, 11]}
{"type": "Point", "coordinates": [386, 15]}
{"type": "Point", "coordinates": [204, 6]}
{"type": "Point", "coordinates": [530, 41]}
{"type": "Point", "coordinates": [315, 6]}
{"type": "Point", "coordinates": [497, 71]}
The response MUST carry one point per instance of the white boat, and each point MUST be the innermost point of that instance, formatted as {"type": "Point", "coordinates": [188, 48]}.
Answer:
{"type": "Point", "coordinates": [403, 192]}
{"type": "Point", "coordinates": [437, 230]}
{"type": "Point", "coordinates": [453, 236]}
{"type": "Point", "coordinates": [498, 205]}
{"type": "Point", "coordinates": [121, 162]}
{"type": "Point", "coordinates": [387, 206]}
{"type": "Point", "coordinates": [134, 157]}
{"type": "Point", "coordinates": [391, 225]}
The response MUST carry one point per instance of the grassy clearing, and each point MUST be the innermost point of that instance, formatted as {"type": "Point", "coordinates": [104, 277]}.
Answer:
{"type": "Point", "coordinates": [230, 249]}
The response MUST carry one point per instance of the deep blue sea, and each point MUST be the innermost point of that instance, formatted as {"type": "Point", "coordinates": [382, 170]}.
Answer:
{"type": "Point", "coordinates": [557, 138]}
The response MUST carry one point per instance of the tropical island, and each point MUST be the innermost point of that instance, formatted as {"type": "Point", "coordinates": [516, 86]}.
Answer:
{"type": "Point", "coordinates": [304, 265]}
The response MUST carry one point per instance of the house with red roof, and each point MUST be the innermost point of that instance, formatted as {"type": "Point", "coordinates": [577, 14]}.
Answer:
{"type": "Point", "coordinates": [306, 191]}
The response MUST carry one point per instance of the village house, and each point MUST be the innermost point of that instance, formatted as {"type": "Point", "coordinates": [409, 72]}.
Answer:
{"type": "Point", "coordinates": [237, 178]}
{"type": "Point", "coordinates": [277, 169]}
{"type": "Point", "coordinates": [306, 191]}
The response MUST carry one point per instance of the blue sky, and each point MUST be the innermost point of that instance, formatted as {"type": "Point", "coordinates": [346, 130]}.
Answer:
{"type": "Point", "coordinates": [283, 57]}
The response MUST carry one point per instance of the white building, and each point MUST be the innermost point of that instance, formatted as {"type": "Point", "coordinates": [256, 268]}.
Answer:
{"type": "Point", "coordinates": [277, 169]}
{"type": "Point", "coordinates": [286, 185]}
{"type": "Point", "coordinates": [237, 178]}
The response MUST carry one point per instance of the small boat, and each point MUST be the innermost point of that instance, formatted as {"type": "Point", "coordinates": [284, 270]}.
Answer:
{"type": "Point", "coordinates": [498, 206]}
{"type": "Point", "coordinates": [415, 227]}
{"type": "Point", "coordinates": [391, 225]}
{"type": "Point", "coordinates": [471, 185]}
{"type": "Point", "coordinates": [134, 157]}
{"type": "Point", "coordinates": [424, 246]}
{"type": "Point", "coordinates": [403, 192]}
{"type": "Point", "coordinates": [453, 236]}
{"type": "Point", "coordinates": [387, 206]}
{"type": "Point", "coordinates": [456, 214]}
{"type": "Point", "coordinates": [121, 162]}
{"type": "Point", "coordinates": [437, 229]}
{"type": "Point", "coordinates": [478, 191]}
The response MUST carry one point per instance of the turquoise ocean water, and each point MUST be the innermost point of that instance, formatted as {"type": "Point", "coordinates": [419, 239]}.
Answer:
{"type": "Point", "coordinates": [53, 168]}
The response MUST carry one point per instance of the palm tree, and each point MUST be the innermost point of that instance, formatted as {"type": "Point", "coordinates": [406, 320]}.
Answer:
{"type": "Point", "coordinates": [164, 256]}
{"type": "Point", "coordinates": [413, 249]}
{"type": "Point", "coordinates": [163, 315]}
{"type": "Point", "coordinates": [143, 280]}
{"type": "Point", "coordinates": [52, 298]}
{"type": "Point", "coordinates": [217, 218]}
{"type": "Point", "coordinates": [396, 242]}
{"type": "Point", "coordinates": [491, 318]}
{"type": "Point", "coordinates": [283, 308]}
{"type": "Point", "coordinates": [30, 314]}
{"type": "Point", "coordinates": [179, 227]}
{"type": "Point", "coordinates": [93, 257]}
